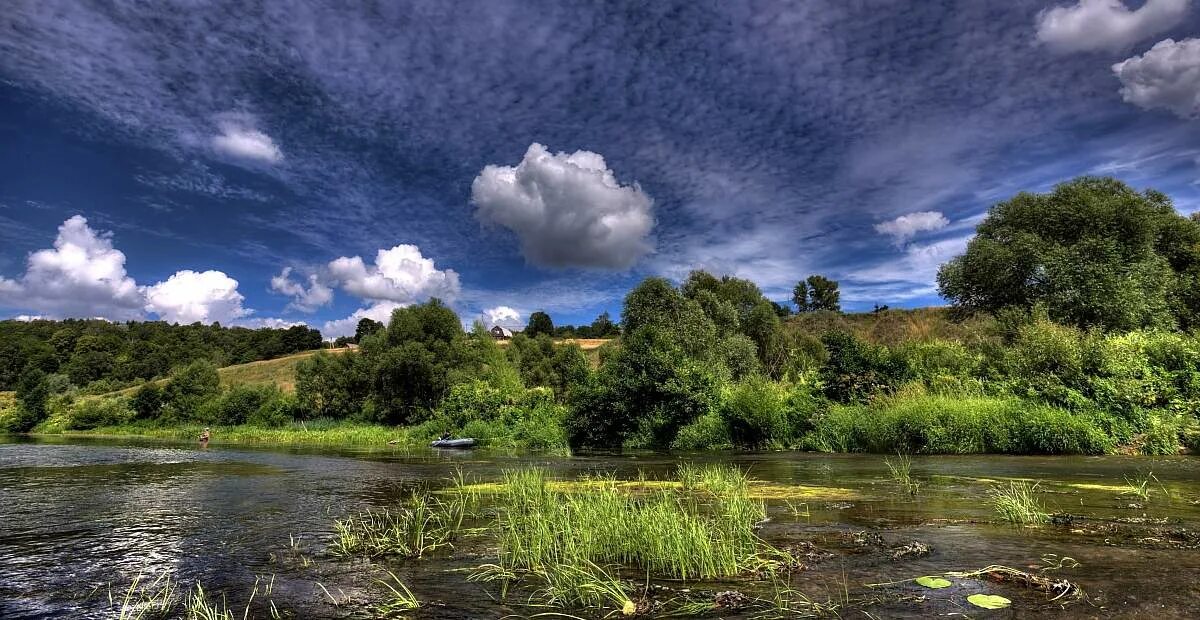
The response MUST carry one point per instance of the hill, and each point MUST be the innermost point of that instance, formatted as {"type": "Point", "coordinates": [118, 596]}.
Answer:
{"type": "Point", "coordinates": [890, 327]}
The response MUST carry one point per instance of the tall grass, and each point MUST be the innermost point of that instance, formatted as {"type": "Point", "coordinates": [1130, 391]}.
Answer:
{"type": "Point", "coordinates": [1018, 503]}
{"type": "Point", "coordinates": [422, 524]}
{"type": "Point", "coordinates": [901, 472]}
{"type": "Point", "coordinates": [704, 530]}
{"type": "Point", "coordinates": [143, 600]}
{"type": "Point", "coordinates": [400, 597]}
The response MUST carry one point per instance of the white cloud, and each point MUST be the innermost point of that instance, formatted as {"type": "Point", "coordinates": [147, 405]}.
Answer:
{"type": "Point", "coordinates": [400, 274]}
{"type": "Point", "coordinates": [303, 299]}
{"type": "Point", "coordinates": [1106, 25]}
{"type": "Point", "coordinates": [912, 274]}
{"type": "Point", "coordinates": [1167, 77]}
{"type": "Point", "coordinates": [191, 296]}
{"type": "Point", "coordinates": [907, 226]}
{"type": "Point", "coordinates": [25, 318]}
{"type": "Point", "coordinates": [501, 315]}
{"type": "Point", "coordinates": [568, 210]}
{"type": "Point", "coordinates": [267, 322]}
{"type": "Point", "coordinates": [380, 311]}
{"type": "Point", "coordinates": [83, 275]}
{"type": "Point", "coordinates": [241, 138]}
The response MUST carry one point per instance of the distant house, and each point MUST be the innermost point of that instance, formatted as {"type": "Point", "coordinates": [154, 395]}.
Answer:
{"type": "Point", "coordinates": [501, 333]}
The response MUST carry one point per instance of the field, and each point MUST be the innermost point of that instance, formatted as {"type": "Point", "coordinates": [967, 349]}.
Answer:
{"type": "Point", "coordinates": [892, 326]}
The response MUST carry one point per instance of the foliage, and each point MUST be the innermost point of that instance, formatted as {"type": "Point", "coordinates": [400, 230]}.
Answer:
{"type": "Point", "coordinates": [148, 401]}
{"type": "Point", "coordinates": [94, 412]}
{"type": "Point", "coordinates": [1095, 252]}
{"type": "Point", "coordinates": [756, 412]}
{"type": "Point", "coordinates": [856, 369]}
{"type": "Point", "coordinates": [821, 293]}
{"type": "Point", "coordinates": [188, 388]}
{"type": "Point", "coordinates": [539, 324]}
{"type": "Point", "coordinates": [92, 350]}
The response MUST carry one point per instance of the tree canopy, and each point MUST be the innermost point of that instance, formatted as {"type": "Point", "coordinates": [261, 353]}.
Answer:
{"type": "Point", "coordinates": [1094, 252]}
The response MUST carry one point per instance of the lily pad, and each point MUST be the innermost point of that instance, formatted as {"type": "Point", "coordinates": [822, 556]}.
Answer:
{"type": "Point", "coordinates": [933, 582]}
{"type": "Point", "coordinates": [988, 601]}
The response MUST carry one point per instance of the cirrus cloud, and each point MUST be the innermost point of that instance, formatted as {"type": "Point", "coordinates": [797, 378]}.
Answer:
{"type": "Point", "coordinates": [1106, 25]}
{"type": "Point", "coordinates": [1166, 77]}
{"type": "Point", "coordinates": [567, 210]}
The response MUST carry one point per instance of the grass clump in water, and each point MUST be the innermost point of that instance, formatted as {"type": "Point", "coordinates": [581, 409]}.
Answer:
{"type": "Point", "coordinates": [901, 471]}
{"type": "Point", "coordinates": [1018, 503]}
{"type": "Point", "coordinates": [400, 598]}
{"type": "Point", "coordinates": [419, 526]}
{"type": "Point", "coordinates": [682, 535]}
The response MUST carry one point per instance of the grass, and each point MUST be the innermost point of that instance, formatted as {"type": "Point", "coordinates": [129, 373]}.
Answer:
{"type": "Point", "coordinates": [199, 607]}
{"type": "Point", "coordinates": [317, 432]}
{"type": "Point", "coordinates": [704, 531]}
{"type": "Point", "coordinates": [421, 525]}
{"type": "Point", "coordinates": [956, 424]}
{"type": "Point", "coordinates": [1018, 503]}
{"type": "Point", "coordinates": [142, 600]}
{"type": "Point", "coordinates": [1139, 485]}
{"type": "Point", "coordinates": [901, 472]}
{"type": "Point", "coordinates": [400, 598]}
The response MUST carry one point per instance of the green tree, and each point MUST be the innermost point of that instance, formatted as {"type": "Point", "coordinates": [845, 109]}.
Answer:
{"type": "Point", "coordinates": [603, 327]}
{"type": "Point", "coordinates": [188, 388]}
{"type": "Point", "coordinates": [800, 296]}
{"type": "Point", "coordinates": [147, 401]}
{"type": "Point", "coordinates": [33, 390]}
{"type": "Point", "coordinates": [1093, 251]}
{"type": "Point", "coordinates": [539, 323]}
{"type": "Point", "coordinates": [824, 294]}
{"type": "Point", "coordinates": [365, 328]}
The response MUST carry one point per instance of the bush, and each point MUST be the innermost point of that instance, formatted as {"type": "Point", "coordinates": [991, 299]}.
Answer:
{"type": "Point", "coordinates": [88, 413]}
{"type": "Point", "coordinates": [708, 432]}
{"type": "Point", "coordinates": [757, 414]}
{"type": "Point", "coordinates": [279, 410]}
{"type": "Point", "coordinates": [1162, 436]}
{"type": "Point", "coordinates": [189, 388]}
{"type": "Point", "coordinates": [857, 369]}
{"type": "Point", "coordinates": [236, 405]}
{"type": "Point", "coordinates": [148, 401]}
{"type": "Point", "coordinates": [957, 425]}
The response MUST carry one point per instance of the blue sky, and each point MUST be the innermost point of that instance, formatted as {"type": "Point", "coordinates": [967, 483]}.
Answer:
{"type": "Point", "coordinates": [272, 162]}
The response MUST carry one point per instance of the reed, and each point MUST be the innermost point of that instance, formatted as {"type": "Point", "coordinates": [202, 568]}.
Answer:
{"type": "Point", "coordinates": [1018, 503]}
{"type": "Point", "coordinates": [146, 600]}
{"type": "Point", "coordinates": [422, 524]}
{"type": "Point", "coordinates": [705, 530]}
{"type": "Point", "coordinates": [400, 598]}
{"type": "Point", "coordinates": [901, 472]}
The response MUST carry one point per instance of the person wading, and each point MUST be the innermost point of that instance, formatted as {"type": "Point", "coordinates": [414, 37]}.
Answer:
{"type": "Point", "coordinates": [204, 437]}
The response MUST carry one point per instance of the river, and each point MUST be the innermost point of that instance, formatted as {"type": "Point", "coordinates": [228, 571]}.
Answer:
{"type": "Point", "coordinates": [81, 519]}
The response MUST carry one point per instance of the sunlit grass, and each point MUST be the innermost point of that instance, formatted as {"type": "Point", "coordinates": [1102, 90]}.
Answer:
{"type": "Point", "coordinates": [901, 472]}
{"type": "Point", "coordinates": [400, 597]}
{"type": "Point", "coordinates": [146, 599]}
{"type": "Point", "coordinates": [1018, 503]}
{"type": "Point", "coordinates": [422, 524]}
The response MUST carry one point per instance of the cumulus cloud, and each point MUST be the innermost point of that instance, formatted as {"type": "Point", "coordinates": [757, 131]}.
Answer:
{"type": "Point", "coordinates": [1165, 77]}
{"type": "Point", "coordinates": [380, 311]}
{"type": "Point", "coordinates": [82, 275]}
{"type": "Point", "coordinates": [501, 315]}
{"type": "Point", "coordinates": [191, 296]}
{"type": "Point", "coordinates": [268, 322]}
{"type": "Point", "coordinates": [400, 274]}
{"type": "Point", "coordinates": [567, 210]}
{"type": "Point", "coordinates": [914, 273]}
{"type": "Point", "coordinates": [1106, 25]}
{"type": "Point", "coordinates": [304, 299]}
{"type": "Point", "coordinates": [239, 137]}
{"type": "Point", "coordinates": [908, 226]}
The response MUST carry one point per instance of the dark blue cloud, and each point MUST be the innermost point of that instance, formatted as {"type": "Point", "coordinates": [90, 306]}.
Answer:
{"type": "Point", "coordinates": [772, 136]}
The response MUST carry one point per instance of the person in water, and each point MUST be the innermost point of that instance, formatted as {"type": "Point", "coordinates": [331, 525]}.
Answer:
{"type": "Point", "coordinates": [205, 436]}
{"type": "Point", "coordinates": [446, 436]}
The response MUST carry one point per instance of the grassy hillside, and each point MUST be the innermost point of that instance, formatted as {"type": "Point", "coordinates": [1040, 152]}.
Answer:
{"type": "Point", "coordinates": [892, 326]}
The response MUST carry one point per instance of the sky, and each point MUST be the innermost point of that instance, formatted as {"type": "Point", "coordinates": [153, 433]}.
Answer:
{"type": "Point", "coordinates": [271, 163]}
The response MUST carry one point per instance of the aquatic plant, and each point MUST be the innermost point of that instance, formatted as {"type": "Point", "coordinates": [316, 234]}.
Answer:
{"type": "Point", "coordinates": [197, 606]}
{"type": "Point", "coordinates": [423, 523]}
{"type": "Point", "coordinates": [1018, 503]}
{"type": "Point", "coordinates": [400, 597]}
{"type": "Point", "coordinates": [901, 471]}
{"type": "Point", "coordinates": [143, 600]}
{"type": "Point", "coordinates": [705, 531]}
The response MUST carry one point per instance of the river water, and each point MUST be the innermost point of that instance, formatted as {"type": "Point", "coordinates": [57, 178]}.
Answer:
{"type": "Point", "coordinates": [81, 519]}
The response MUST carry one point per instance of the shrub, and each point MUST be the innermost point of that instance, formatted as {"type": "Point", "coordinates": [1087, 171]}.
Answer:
{"type": "Point", "coordinates": [88, 413]}
{"type": "Point", "coordinates": [1162, 436]}
{"type": "Point", "coordinates": [237, 404]}
{"type": "Point", "coordinates": [857, 369]}
{"type": "Point", "coordinates": [147, 401]}
{"type": "Point", "coordinates": [708, 432]}
{"type": "Point", "coordinates": [190, 387]}
{"type": "Point", "coordinates": [756, 413]}
{"type": "Point", "coordinates": [957, 425]}
{"type": "Point", "coordinates": [279, 410]}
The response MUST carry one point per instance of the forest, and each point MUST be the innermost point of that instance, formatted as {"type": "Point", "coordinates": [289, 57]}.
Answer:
{"type": "Point", "coordinates": [1071, 329]}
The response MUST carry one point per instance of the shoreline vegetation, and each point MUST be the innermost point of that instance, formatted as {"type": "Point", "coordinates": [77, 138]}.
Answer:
{"type": "Point", "coordinates": [1072, 330]}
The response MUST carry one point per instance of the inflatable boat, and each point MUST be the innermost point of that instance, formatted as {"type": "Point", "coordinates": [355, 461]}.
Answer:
{"type": "Point", "coordinates": [465, 442]}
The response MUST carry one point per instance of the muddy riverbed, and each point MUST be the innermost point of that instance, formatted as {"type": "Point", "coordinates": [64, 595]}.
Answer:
{"type": "Point", "coordinates": [81, 520]}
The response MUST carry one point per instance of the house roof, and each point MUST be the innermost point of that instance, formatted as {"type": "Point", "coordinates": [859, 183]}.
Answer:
{"type": "Point", "coordinates": [503, 331]}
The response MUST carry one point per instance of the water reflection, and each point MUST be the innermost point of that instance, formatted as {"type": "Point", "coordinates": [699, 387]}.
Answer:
{"type": "Point", "coordinates": [77, 518]}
